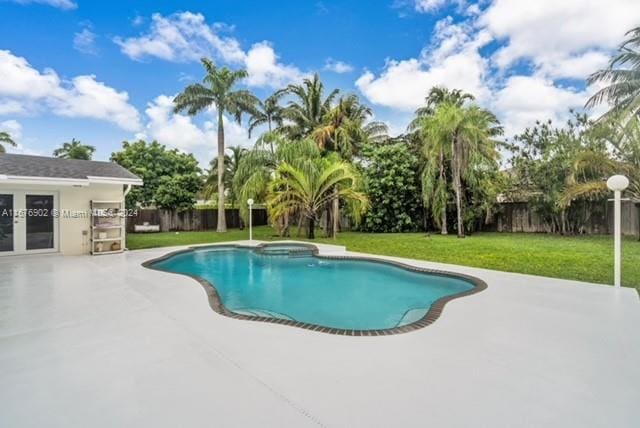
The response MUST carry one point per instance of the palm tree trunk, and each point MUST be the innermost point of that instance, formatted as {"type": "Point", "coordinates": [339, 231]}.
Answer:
{"type": "Point", "coordinates": [443, 214]}
{"type": "Point", "coordinates": [311, 230]}
{"type": "Point", "coordinates": [457, 184]}
{"type": "Point", "coordinates": [222, 222]}
{"type": "Point", "coordinates": [336, 213]}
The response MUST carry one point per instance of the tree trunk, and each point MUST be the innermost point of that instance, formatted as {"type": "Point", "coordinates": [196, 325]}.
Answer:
{"type": "Point", "coordinates": [336, 212]}
{"type": "Point", "coordinates": [311, 229]}
{"type": "Point", "coordinates": [457, 184]}
{"type": "Point", "coordinates": [443, 215]}
{"type": "Point", "coordinates": [285, 228]}
{"type": "Point", "coordinates": [222, 221]}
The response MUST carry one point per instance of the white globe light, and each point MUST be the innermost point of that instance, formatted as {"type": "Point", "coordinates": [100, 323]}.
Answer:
{"type": "Point", "coordinates": [250, 201]}
{"type": "Point", "coordinates": [617, 183]}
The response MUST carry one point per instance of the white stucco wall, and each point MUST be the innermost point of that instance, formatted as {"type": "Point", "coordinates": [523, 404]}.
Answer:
{"type": "Point", "coordinates": [71, 240]}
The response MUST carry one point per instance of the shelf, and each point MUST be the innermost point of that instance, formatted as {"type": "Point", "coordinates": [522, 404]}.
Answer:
{"type": "Point", "coordinates": [119, 238]}
{"type": "Point", "coordinates": [96, 253]}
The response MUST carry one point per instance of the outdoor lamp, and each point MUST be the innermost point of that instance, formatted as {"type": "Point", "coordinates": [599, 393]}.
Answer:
{"type": "Point", "coordinates": [617, 183]}
{"type": "Point", "coordinates": [250, 203]}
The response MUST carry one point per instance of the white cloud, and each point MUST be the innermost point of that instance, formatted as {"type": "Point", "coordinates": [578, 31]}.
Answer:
{"type": "Point", "coordinates": [8, 106]}
{"type": "Point", "coordinates": [264, 69]}
{"type": "Point", "coordinates": [425, 6]}
{"type": "Point", "coordinates": [28, 89]}
{"type": "Point", "coordinates": [339, 67]}
{"type": "Point", "coordinates": [61, 4]}
{"type": "Point", "coordinates": [181, 132]}
{"type": "Point", "coordinates": [186, 37]}
{"type": "Point", "coordinates": [85, 41]}
{"type": "Point", "coordinates": [525, 99]}
{"type": "Point", "coordinates": [181, 37]}
{"type": "Point", "coordinates": [554, 35]}
{"type": "Point", "coordinates": [14, 128]}
{"type": "Point", "coordinates": [89, 98]}
{"type": "Point", "coordinates": [454, 63]}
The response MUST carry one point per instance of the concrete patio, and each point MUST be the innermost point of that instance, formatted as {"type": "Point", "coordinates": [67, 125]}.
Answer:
{"type": "Point", "coordinates": [103, 342]}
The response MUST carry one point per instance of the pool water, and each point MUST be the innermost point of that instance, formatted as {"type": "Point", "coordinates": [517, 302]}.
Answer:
{"type": "Point", "coordinates": [342, 294]}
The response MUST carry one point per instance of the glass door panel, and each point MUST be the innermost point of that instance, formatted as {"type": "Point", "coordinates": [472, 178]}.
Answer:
{"type": "Point", "coordinates": [6, 222]}
{"type": "Point", "coordinates": [40, 224]}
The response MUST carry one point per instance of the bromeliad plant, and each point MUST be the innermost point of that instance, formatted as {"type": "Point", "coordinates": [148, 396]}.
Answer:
{"type": "Point", "coordinates": [311, 186]}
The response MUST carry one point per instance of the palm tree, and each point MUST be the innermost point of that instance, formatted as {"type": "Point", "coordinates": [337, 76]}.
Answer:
{"type": "Point", "coordinates": [75, 150]}
{"type": "Point", "coordinates": [307, 110]}
{"type": "Point", "coordinates": [346, 128]}
{"type": "Point", "coordinates": [622, 77]}
{"type": "Point", "coordinates": [308, 189]}
{"type": "Point", "coordinates": [231, 164]}
{"type": "Point", "coordinates": [257, 167]}
{"type": "Point", "coordinates": [435, 150]}
{"type": "Point", "coordinates": [217, 90]}
{"type": "Point", "coordinates": [268, 112]}
{"type": "Point", "coordinates": [5, 138]}
{"type": "Point", "coordinates": [469, 130]}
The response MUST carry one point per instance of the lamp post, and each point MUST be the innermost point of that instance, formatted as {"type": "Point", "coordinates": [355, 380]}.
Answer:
{"type": "Point", "coordinates": [250, 203]}
{"type": "Point", "coordinates": [617, 183]}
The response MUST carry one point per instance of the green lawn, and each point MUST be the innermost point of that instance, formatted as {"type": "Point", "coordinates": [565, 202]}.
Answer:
{"type": "Point", "coordinates": [586, 258]}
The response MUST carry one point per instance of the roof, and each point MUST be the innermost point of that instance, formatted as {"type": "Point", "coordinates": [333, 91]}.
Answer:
{"type": "Point", "coordinates": [41, 168]}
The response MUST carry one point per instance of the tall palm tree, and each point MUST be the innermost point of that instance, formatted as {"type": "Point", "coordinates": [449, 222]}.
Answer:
{"type": "Point", "coordinates": [231, 164]}
{"type": "Point", "coordinates": [307, 110]}
{"type": "Point", "coordinates": [310, 188]}
{"type": "Point", "coordinates": [268, 112]}
{"type": "Point", "coordinates": [74, 150]}
{"type": "Point", "coordinates": [470, 132]}
{"type": "Point", "coordinates": [622, 77]}
{"type": "Point", "coordinates": [436, 150]}
{"type": "Point", "coordinates": [5, 138]}
{"type": "Point", "coordinates": [217, 89]}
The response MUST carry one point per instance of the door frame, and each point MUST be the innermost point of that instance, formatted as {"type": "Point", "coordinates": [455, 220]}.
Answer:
{"type": "Point", "coordinates": [20, 221]}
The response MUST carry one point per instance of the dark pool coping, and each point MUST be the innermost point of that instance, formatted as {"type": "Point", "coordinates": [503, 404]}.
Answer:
{"type": "Point", "coordinates": [429, 318]}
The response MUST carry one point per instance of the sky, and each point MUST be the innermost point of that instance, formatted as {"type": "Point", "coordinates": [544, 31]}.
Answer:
{"type": "Point", "coordinates": [106, 71]}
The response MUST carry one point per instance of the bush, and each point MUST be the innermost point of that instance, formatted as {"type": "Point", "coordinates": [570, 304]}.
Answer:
{"type": "Point", "coordinates": [393, 185]}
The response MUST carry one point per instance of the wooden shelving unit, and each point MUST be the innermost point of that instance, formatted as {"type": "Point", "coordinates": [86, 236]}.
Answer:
{"type": "Point", "coordinates": [107, 227]}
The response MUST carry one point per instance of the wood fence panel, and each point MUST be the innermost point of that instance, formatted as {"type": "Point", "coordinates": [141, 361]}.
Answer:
{"type": "Point", "coordinates": [193, 219]}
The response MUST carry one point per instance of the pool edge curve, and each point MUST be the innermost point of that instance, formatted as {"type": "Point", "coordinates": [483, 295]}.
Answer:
{"type": "Point", "coordinates": [434, 312]}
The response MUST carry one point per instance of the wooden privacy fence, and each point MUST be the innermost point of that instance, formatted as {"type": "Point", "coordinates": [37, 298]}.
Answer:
{"type": "Point", "coordinates": [192, 219]}
{"type": "Point", "coordinates": [519, 217]}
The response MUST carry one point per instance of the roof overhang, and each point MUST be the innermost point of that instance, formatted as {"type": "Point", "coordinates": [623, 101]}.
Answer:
{"type": "Point", "coordinates": [57, 181]}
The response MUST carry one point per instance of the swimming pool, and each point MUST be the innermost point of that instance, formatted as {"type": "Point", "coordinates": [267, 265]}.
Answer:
{"type": "Point", "coordinates": [291, 284]}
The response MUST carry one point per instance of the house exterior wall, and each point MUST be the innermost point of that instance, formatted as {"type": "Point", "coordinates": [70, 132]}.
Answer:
{"type": "Point", "coordinates": [73, 233]}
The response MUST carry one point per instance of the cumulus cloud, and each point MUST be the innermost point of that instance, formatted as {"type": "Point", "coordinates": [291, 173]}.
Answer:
{"type": "Point", "coordinates": [60, 4]}
{"type": "Point", "coordinates": [186, 37]}
{"type": "Point", "coordinates": [28, 89]}
{"type": "Point", "coordinates": [454, 62]}
{"type": "Point", "coordinates": [557, 42]}
{"type": "Point", "coordinates": [525, 99]}
{"type": "Point", "coordinates": [264, 69]}
{"type": "Point", "coordinates": [181, 132]}
{"type": "Point", "coordinates": [339, 67]}
{"type": "Point", "coordinates": [84, 41]}
{"type": "Point", "coordinates": [556, 35]}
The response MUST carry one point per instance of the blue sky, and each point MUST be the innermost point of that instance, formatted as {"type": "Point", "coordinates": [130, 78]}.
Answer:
{"type": "Point", "coordinates": [104, 72]}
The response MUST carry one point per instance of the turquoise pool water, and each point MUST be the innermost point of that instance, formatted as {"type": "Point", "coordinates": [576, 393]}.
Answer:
{"type": "Point", "coordinates": [295, 285]}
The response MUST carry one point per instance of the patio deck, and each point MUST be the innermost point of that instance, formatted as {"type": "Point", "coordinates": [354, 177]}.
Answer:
{"type": "Point", "coordinates": [103, 342]}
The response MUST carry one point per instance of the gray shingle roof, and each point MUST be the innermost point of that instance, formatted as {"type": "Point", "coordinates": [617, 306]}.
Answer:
{"type": "Point", "coordinates": [41, 166]}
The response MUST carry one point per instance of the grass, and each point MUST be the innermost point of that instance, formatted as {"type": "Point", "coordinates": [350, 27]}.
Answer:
{"type": "Point", "coordinates": [583, 258]}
